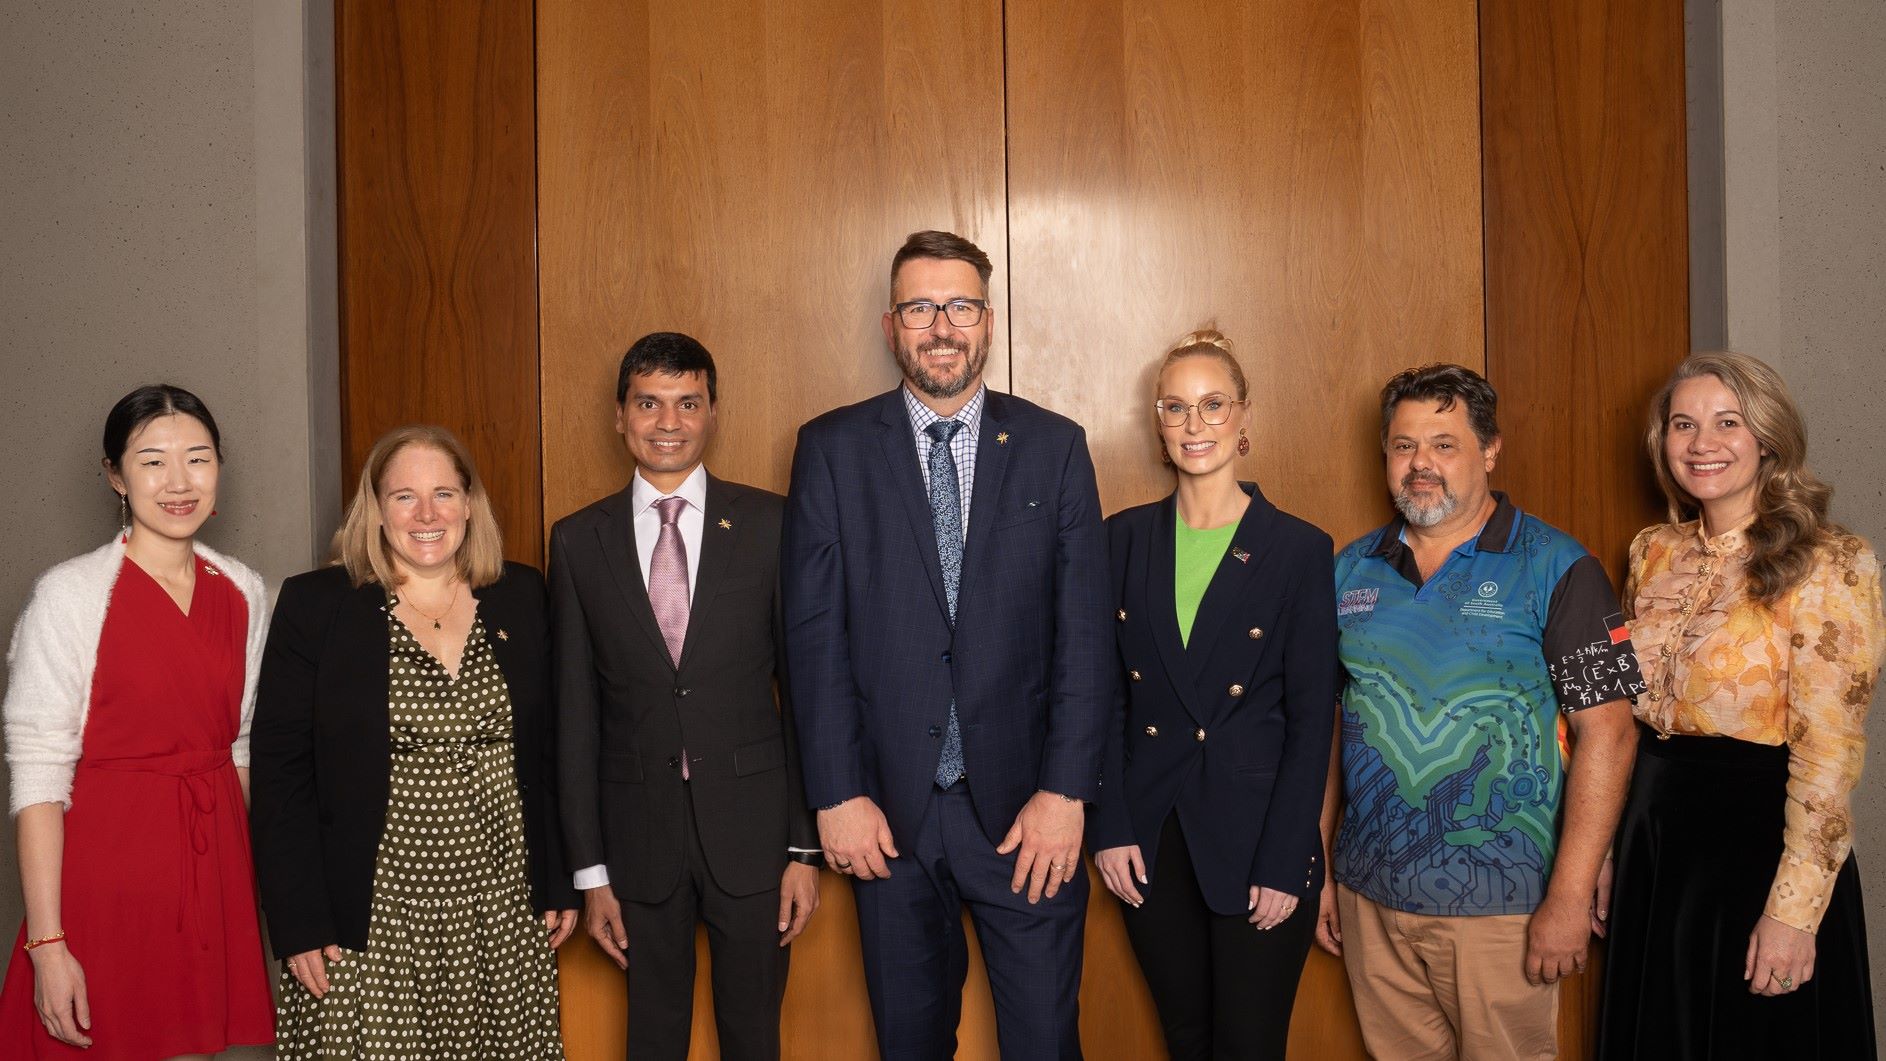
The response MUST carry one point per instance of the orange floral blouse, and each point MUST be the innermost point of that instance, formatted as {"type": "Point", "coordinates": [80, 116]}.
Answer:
{"type": "Point", "coordinates": [1800, 673]}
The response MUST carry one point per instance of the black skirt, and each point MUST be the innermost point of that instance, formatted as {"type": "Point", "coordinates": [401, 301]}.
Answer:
{"type": "Point", "coordinates": [1696, 855]}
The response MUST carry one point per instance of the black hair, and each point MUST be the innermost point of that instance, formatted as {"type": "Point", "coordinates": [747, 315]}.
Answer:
{"type": "Point", "coordinates": [147, 403]}
{"type": "Point", "coordinates": [1446, 384]}
{"type": "Point", "coordinates": [669, 353]}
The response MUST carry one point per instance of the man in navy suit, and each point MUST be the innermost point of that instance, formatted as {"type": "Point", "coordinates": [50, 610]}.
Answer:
{"type": "Point", "coordinates": [944, 580]}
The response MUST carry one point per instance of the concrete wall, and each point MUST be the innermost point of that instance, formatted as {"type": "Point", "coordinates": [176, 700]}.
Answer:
{"type": "Point", "coordinates": [1800, 168]}
{"type": "Point", "coordinates": [169, 171]}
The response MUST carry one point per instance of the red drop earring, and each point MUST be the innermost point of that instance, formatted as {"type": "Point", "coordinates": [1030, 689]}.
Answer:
{"type": "Point", "coordinates": [1244, 445]}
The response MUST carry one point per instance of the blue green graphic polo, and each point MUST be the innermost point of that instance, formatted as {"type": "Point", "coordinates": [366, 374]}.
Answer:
{"type": "Point", "coordinates": [1451, 759]}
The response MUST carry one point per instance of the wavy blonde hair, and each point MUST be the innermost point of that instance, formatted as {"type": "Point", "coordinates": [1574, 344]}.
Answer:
{"type": "Point", "coordinates": [1790, 501]}
{"type": "Point", "coordinates": [1207, 342]}
{"type": "Point", "coordinates": [360, 544]}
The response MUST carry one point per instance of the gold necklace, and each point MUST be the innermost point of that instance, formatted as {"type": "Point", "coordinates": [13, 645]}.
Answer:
{"type": "Point", "coordinates": [448, 608]}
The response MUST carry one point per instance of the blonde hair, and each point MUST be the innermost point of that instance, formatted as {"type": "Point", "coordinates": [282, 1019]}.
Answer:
{"type": "Point", "coordinates": [1208, 342]}
{"type": "Point", "coordinates": [1790, 501]}
{"type": "Point", "coordinates": [360, 544]}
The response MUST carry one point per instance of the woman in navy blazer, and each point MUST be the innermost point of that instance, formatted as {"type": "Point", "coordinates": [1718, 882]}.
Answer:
{"type": "Point", "coordinates": [1206, 828]}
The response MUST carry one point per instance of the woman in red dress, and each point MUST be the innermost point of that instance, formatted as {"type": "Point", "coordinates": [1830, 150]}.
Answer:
{"type": "Point", "coordinates": [130, 681]}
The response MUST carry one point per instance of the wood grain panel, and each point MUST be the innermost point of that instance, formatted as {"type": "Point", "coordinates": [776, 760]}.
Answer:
{"type": "Point", "coordinates": [438, 263]}
{"type": "Point", "coordinates": [1304, 173]}
{"type": "Point", "coordinates": [1587, 274]}
{"type": "Point", "coordinates": [1587, 251]}
{"type": "Point", "coordinates": [743, 171]}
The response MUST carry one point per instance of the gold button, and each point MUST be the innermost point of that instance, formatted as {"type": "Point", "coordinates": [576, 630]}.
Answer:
{"type": "Point", "coordinates": [1686, 608]}
{"type": "Point", "coordinates": [1236, 690]}
{"type": "Point", "coordinates": [1122, 615]}
{"type": "Point", "coordinates": [1656, 694]}
{"type": "Point", "coordinates": [1152, 731]}
{"type": "Point", "coordinates": [1663, 736]}
{"type": "Point", "coordinates": [1198, 734]}
{"type": "Point", "coordinates": [1703, 569]}
{"type": "Point", "coordinates": [1256, 632]}
{"type": "Point", "coordinates": [1669, 650]}
{"type": "Point", "coordinates": [1134, 674]}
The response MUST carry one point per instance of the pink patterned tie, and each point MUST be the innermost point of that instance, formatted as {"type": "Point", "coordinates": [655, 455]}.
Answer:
{"type": "Point", "coordinates": [668, 586]}
{"type": "Point", "coordinates": [668, 578]}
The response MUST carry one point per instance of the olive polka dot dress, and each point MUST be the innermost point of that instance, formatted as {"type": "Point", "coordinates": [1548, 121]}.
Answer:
{"type": "Point", "coordinates": [456, 965]}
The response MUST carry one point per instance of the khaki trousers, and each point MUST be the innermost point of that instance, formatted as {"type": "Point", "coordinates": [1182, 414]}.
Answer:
{"type": "Point", "coordinates": [1431, 988]}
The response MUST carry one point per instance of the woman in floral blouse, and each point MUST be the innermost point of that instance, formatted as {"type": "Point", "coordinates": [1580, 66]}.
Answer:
{"type": "Point", "coordinates": [1737, 927]}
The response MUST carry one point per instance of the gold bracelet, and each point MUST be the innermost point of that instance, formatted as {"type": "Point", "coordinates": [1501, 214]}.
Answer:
{"type": "Point", "coordinates": [43, 940]}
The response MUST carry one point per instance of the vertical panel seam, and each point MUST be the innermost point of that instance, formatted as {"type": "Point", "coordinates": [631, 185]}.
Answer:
{"type": "Point", "coordinates": [1008, 220]}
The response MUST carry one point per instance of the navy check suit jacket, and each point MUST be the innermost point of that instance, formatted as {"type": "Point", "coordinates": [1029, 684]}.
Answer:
{"type": "Point", "coordinates": [874, 660]}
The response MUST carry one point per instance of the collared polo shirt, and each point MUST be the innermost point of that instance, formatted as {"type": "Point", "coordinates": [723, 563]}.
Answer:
{"type": "Point", "coordinates": [1452, 764]}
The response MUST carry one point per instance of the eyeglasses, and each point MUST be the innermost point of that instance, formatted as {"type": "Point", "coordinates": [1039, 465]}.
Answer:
{"type": "Point", "coordinates": [1213, 409]}
{"type": "Point", "coordinates": [921, 314]}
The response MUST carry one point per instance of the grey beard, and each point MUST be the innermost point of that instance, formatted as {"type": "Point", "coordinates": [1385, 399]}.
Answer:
{"type": "Point", "coordinates": [1427, 516]}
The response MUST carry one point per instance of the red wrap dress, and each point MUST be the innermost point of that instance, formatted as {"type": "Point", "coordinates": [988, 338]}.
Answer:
{"type": "Point", "coordinates": [158, 890]}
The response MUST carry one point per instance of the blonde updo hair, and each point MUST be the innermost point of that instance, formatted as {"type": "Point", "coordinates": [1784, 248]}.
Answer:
{"type": "Point", "coordinates": [360, 544]}
{"type": "Point", "coordinates": [1208, 342]}
{"type": "Point", "coordinates": [1790, 501]}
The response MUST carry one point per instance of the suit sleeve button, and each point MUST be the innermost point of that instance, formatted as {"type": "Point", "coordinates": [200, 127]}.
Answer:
{"type": "Point", "coordinates": [1135, 675]}
{"type": "Point", "coordinates": [1256, 632]}
{"type": "Point", "coordinates": [936, 731]}
{"type": "Point", "coordinates": [1236, 690]}
{"type": "Point", "coordinates": [1121, 615]}
{"type": "Point", "coordinates": [1152, 731]}
{"type": "Point", "coordinates": [682, 690]}
{"type": "Point", "coordinates": [1198, 734]}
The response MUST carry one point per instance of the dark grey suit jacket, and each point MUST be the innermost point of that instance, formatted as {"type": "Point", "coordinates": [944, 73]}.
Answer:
{"type": "Point", "coordinates": [626, 711]}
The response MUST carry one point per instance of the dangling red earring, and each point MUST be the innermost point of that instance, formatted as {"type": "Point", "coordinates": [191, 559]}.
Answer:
{"type": "Point", "coordinates": [1244, 445]}
{"type": "Point", "coordinates": [212, 512]}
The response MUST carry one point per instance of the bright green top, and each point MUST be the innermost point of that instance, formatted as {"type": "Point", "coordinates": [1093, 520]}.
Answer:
{"type": "Point", "coordinates": [1195, 558]}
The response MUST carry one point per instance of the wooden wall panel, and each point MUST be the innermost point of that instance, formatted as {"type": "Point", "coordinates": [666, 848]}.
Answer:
{"type": "Point", "coordinates": [1305, 173]}
{"type": "Point", "coordinates": [438, 263]}
{"type": "Point", "coordinates": [1587, 251]}
{"type": "Point", "coordinates": [1587, 274]}
{"type": "Point", "coordinates": [742, 171]}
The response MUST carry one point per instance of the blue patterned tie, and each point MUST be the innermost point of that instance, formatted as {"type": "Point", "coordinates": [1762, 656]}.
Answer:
{"type": "Point", "coordinates": [946, 512]}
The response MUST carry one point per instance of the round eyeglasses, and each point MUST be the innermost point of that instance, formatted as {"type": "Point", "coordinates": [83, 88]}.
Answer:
{"type": "Point", "coordinates": [1213, 409]}
{"type": "Point", "coordinates": [921, 313]}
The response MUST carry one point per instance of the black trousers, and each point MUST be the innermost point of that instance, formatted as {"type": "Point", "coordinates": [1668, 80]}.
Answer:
{"type": "Point", "coordinates": [1224, 988]}
{"type": "Point", "coordinates": [749, 965]}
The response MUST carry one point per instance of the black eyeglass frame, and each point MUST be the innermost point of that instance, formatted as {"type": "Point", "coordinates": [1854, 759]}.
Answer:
{"type": "Point", "coordinates": [946, 309]}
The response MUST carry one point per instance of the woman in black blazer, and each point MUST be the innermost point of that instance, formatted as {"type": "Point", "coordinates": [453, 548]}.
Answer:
{"type": "Point", "coordinates": [1213, 779]}
{"type": "Point", "coordinates": [404, 792]}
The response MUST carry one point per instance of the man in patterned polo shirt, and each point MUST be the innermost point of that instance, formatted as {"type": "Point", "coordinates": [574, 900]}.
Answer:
{"type": "Point", "coordinates": [1472, 841]}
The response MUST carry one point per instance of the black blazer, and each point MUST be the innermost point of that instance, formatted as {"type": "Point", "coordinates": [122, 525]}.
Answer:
{"type": "Point", "coordinates": [627, 711]}
{"type": "Point", "coordinates": [321, 757]}
{"type": "Point", "coordinates": [1231, 731]}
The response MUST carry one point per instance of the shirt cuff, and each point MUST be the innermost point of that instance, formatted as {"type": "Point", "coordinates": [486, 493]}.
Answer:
{"type": "Point", "coordinates": [588, 877]}
{"type": "Point", "coordinates": [1800, 893]}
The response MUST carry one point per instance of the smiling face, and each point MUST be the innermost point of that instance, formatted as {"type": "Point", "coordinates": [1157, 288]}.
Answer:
{"type": "Point", "coordinates": [666, 422]}
{"type": "Point", "coordinates": [1195, 386]}
{"type": "Point", "coordinates": [423, 510]}
{"type": "Point", "coordinates": [1436, 467]}
{"type": "Point", "coordinates": [168, 473]}
{"type": "Point", "coordinates": [1710, 451]}
{"type": "Point", "coordinates": [941, 362]}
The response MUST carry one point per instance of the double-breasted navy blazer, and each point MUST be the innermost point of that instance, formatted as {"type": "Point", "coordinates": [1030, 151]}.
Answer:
{"type": "Point", "coordinates": [1230, 731]}
{"type": "Point", "coordinates": [875, 660]}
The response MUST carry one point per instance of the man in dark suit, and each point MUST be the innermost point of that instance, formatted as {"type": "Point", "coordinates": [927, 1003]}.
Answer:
{"type": "Point", "coordinates": [681, 794]}
{"type": "Point", "coordinates": [946, 614]}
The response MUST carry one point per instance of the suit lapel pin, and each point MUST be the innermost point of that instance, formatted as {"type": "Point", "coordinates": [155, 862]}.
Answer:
{"type": "Point", "coordinates": [502, 636]}
{"type": "Point", "coordinates": [1240, 555]}
{"type": "Point", "coordinates": [1001, 439]}
{"type": "Point", "coordinates": [726, 524]}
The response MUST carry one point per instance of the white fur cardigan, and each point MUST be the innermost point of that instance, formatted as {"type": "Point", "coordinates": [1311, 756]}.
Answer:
{"type": "Point", "coordinates": [55, 650]}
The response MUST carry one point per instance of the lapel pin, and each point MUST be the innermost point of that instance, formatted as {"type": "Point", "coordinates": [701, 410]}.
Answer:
{"type": "Point", "coordinates": [1001, 439]}
{"type": "Point", "coordinates": [726, 524]}
{"type": "Point", "coordinates": [1240, 555]}
{"type": "Point", "coordinates": [502, 636]}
